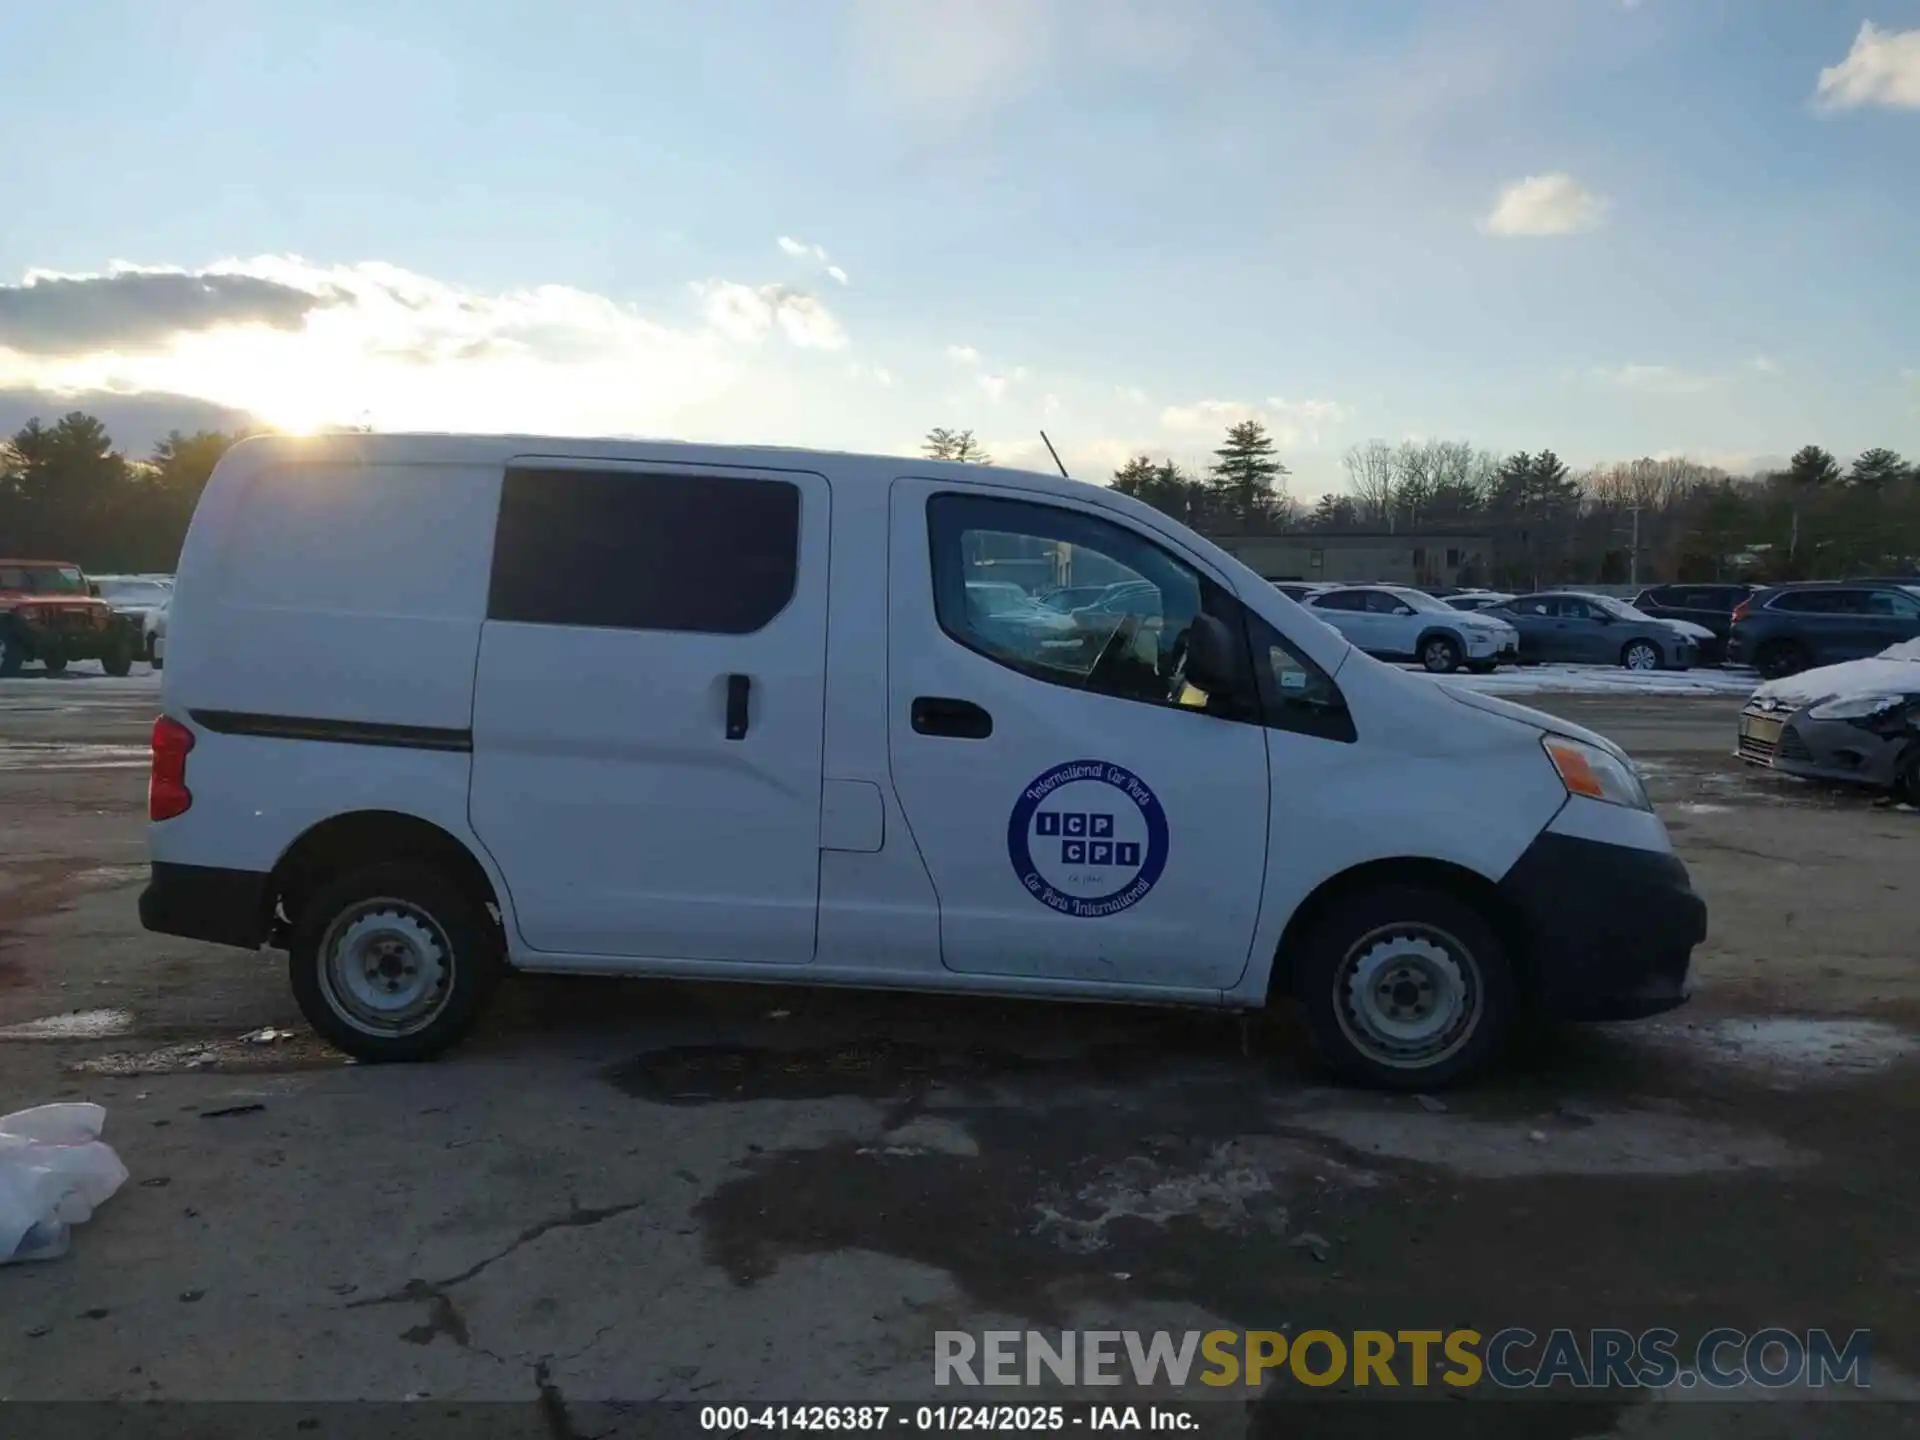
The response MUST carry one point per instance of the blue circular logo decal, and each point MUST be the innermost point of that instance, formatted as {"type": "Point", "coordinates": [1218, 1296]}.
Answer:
{"type": "Point", "coordinates": [1088, 839]}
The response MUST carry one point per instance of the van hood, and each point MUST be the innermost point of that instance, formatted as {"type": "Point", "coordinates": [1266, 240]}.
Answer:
{"type": "Point", "coordinates": [1527, 715]}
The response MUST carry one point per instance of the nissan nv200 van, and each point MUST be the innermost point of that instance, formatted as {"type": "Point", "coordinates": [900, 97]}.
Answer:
{"type": "Point", "coordinates": [439, 708]}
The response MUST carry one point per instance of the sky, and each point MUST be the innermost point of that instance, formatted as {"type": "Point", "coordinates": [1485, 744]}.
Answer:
{"type": "Point", "coordinates": [1610, 227]}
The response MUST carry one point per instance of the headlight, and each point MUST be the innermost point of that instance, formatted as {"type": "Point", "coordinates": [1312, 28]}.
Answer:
{"type": "Point", "coordinates": [1856, 707]}
{"type": "Point", "coordinates": [1590, 772]}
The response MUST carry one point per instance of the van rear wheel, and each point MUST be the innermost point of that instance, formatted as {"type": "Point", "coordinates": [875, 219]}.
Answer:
{"type": "Point", "coordinates": [1406, 987]}
{"type": "Point", "coordinates": [393, 962]}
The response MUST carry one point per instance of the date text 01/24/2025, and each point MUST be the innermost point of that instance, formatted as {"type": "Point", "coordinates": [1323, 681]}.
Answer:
{"type": "Point", "coordinates": [982, 1419]}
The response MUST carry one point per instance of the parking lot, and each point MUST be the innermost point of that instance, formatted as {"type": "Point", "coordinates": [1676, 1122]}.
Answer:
{"type": "Point", "coordinates": [636, 1190]}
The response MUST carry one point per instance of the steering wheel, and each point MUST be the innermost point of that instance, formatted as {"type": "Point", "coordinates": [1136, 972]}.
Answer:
{"type": "Point", "coordinates": [1117, 643]}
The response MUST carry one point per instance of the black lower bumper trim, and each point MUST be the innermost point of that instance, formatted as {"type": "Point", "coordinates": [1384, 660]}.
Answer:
{"type": "Point", "coordinates": [206, 902]}
{"type": "Point", "coordinates": [1611, 928]}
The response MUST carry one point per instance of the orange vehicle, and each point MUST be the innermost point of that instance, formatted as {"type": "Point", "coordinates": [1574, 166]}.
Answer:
{"type": "Point", "coordinates": [48, 614]}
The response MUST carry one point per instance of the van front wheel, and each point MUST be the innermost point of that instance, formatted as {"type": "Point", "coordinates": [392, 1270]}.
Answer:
{"type": "Point", "coordinates": [393, 962]}
{"type": "Point", "coordinates": [1406, 987]}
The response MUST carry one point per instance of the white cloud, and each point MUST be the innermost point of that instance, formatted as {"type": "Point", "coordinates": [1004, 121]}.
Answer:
{"type": "Point", "coordinates": [963, 355]}
{"type": "Point", "coordinates": [1541, 205]}
{"type": "Point", "coordinates": [801, 250]}
{"type": "Point", "coordinates": [412, 352]}
{"type": "Point", "coordinates": [1133, 395]}
{"type": "Point", "coordinates": [1882, 68]}
{"type": "Point", "coordinates": [749, 313]}
{"type": "Point", "coordinates": [1292, 423]}
{"type": "Point", "coordinates": [994, 386]}
{"type": "Point", "coordinates": [1764, 365]}
{"type": "Point", "coordinates": [1049, 404]}
{"type": "Point", "coordinates": [1655, 379]}
{"type": "Point", "coordinates": [878, 374]}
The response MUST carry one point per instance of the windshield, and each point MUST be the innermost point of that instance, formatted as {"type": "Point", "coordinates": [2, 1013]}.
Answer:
{"type": "Point", "coordinates": [144, 592]}
{"type": "Point", "coordinates": [1619, 609]}
{"type": "Point", "coordinates": [43, 579]}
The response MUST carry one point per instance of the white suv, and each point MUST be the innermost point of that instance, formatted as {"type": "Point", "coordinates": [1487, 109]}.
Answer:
{"type": "Point", "coordinates": [1395, 622]}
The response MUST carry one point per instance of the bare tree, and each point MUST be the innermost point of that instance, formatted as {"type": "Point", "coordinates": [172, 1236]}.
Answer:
{"type": "Point", "coordinates": [1374, 476]}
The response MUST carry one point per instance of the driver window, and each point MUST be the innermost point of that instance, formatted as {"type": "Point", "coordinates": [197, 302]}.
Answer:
{"type": "Point", "coordinates": [992, 557]}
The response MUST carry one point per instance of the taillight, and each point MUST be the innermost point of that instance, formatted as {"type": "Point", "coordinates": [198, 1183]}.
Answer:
{"type": "Point", "coordinates": [167, 793]}
{"type": "Point", "coordinates": [1740, 610]}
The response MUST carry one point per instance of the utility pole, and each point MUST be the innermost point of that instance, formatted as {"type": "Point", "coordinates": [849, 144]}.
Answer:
{"type": "Point", "coordinates": [1633, 555]}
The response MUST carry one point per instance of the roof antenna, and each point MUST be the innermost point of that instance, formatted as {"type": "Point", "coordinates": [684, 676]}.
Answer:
{"type": "Point", "coordinates": [1056, 455]}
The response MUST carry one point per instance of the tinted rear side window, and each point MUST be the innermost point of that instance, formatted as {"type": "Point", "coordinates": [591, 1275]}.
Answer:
{"type": "Point", "coordinates": [628, 551]}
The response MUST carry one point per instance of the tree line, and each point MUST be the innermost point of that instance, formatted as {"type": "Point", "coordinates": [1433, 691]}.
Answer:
{"type": "Point", "coordinates": [1656, 518]}
{"type": "Point", "coordinates": [67, 493]}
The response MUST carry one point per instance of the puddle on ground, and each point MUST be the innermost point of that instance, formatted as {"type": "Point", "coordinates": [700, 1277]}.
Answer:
{"type": "Point", "coordinates": [1786, 1049]}
{"type": "Point", "coordinates": [288, 1050]}
{"type": "Point", "coordinates": [74, 1025]}
{"type": "Point", "coordinates": [64, 755]}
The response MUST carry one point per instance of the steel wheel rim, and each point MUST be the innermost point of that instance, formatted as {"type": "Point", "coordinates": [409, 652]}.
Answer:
{"type": "Point", "coordinates": [1439, 655]}
{"type": "Point", "coordinates": [1408, 996]}
{"type": "Point", "coordinates": [1642, 656]}
{"type": "Point", "coordinates": [386, 967]}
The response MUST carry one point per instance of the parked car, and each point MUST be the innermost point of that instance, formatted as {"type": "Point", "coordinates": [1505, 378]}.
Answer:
{"type": "Point", "coordinates": [1395, 622]}
{"type": "Point", "coordinates": [1857, 722]}
{"type": "Point", "coordinates": [1298, 590]}
{"type": "Point", "coordinates": [1710, 607]}
{"type": "Point", "coordinates": [1071, 597]}
{"type": "Point", "coordinates": [139, 598]}
{"type": "Point", "coordinates": [637, 707]}
{"type": "Point", "coordinates": [48, 614]}
{"type": "Point", "coordinates": [1573, 627]}
{"type": "Point", "coordinates": [1789, 628]}
{"type": "Point", "coordinates": [1003, 608]}
{"type": "Point", "coordinates": [1475, 600]}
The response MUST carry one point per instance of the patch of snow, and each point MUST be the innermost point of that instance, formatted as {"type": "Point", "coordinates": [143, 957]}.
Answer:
{"type": "Point", "coordinates": [75, 1025]}
{"type": "Point", "coordinates": [1786, 1048]}
{"type": "Point", "coordinates": [1605, 1142]}
{"type": "Point", "coordinates": [1700, 807]}
{"type": "Point", "coordinates": [1605, 680]}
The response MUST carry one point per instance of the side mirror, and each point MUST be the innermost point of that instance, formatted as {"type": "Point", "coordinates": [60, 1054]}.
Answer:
{"type": "Point", "coordinates": [1211, 663]}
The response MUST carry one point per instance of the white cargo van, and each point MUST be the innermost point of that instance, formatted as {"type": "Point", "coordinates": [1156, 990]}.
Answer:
{"type": "Point", "coordinates": [439, 707]}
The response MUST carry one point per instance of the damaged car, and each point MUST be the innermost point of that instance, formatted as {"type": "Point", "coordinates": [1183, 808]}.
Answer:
{"type": "Point", "coordinates": [1857, 723]}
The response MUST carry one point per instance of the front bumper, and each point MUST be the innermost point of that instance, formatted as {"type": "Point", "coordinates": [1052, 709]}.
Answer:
{"type": "Point", "coordinates": [1846, 751]}
{"type": "Point", "coordinates": [1610, 929]}
{"type": "Point", "coordinates": [206, 902]}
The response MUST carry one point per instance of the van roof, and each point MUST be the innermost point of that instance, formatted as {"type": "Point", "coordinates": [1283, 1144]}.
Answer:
{"type": "Point", "coordinates": [498, 449]}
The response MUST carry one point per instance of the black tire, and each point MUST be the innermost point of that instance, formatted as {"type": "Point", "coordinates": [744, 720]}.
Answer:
{"type": "Point", "coordinates": [1436, 932]}
{"type": "Point", "coordinates": [12, 657]}
{"type": "Point", "coordinates": [1483, 667]}
{"type": "Point", "coordinates": [56, 664]}
{"type": "Point", "coordinates": [158, 663]}
{"type": "Point", "coordinates": [1906, 776]}
{"type": "Point", "coordinates": [1638, 651]}
{"type": "Point", "coordinates": [1780, 658]}
{"type": "Point", "coordinates": [407, 898]}
{"type": "Point", "coordinates": [1439, 654]}
{"type": "Point", "coordinates": [118, 661]}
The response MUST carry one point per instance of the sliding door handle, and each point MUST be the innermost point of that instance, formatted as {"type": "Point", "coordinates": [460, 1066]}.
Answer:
{"type": "Point", "coordinates": [954, 719]}
{"type": "Point", "coordinates": [739, 688]}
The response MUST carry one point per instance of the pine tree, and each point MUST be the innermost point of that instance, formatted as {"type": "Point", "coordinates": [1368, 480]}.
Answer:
{"type": "Point", "coordinates": [1876, 468]}
{"type": "Point", "coordinates": [1245, 472]}
{"type": "Point", "coordinates": [1812, 468]}
{"type": "Point", "coordinates": [944, 444]}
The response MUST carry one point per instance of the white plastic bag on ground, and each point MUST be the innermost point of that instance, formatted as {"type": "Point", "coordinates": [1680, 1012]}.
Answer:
{"type": "Point", "coordinates": [54, 1172]}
